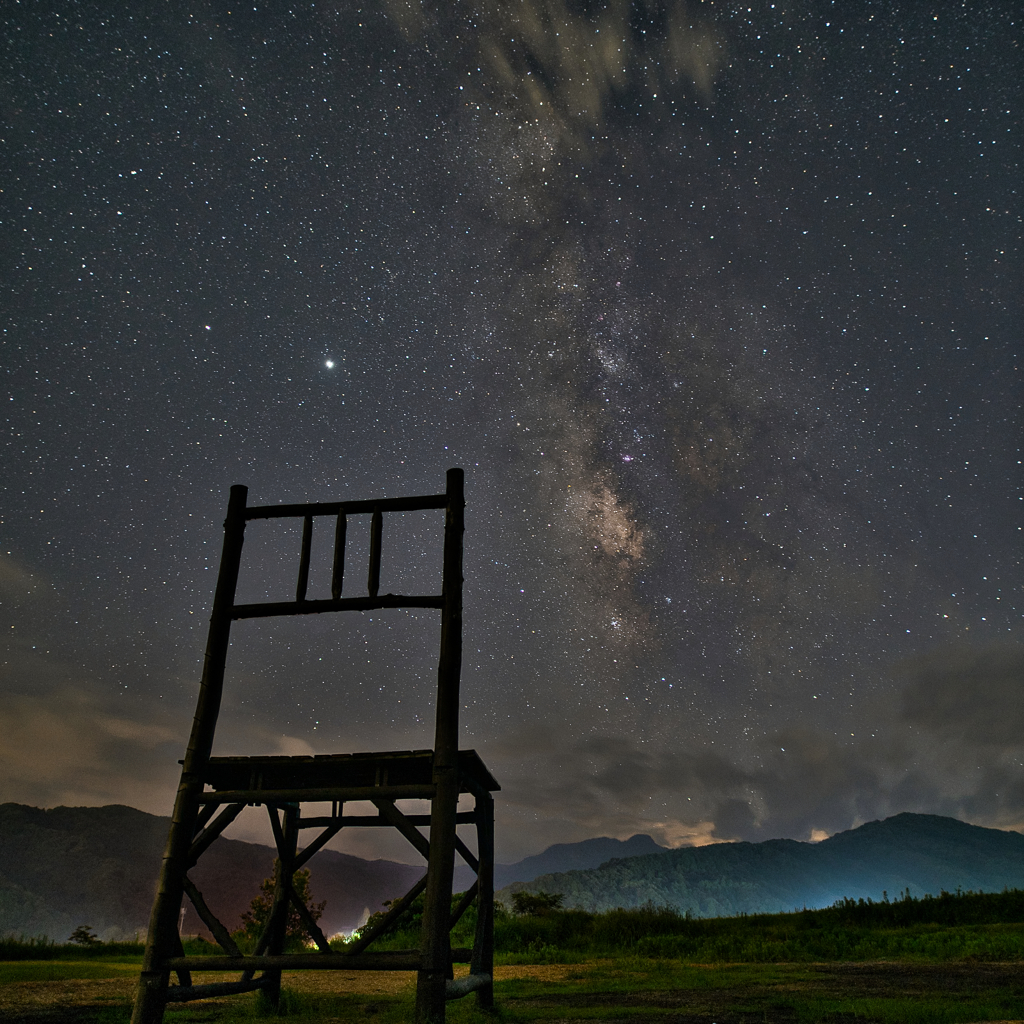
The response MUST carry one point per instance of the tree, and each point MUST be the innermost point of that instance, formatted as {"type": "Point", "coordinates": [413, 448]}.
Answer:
{"type": "Point", "coordinates": [412, 919]}
{"type": "Point", "coordinates": [254, 920]}
{"type": "Point", "coordinates": [83, 935]}
{"type": "Point", "coordinates": [536, 904]}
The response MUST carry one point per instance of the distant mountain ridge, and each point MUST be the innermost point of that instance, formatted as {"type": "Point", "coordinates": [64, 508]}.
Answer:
{"type": "Point", "coordinates": [590, 853]}
{"type": "Point", "coordinates": [921, 852]}
{"type": "Point", "coordinates": [67, 866]}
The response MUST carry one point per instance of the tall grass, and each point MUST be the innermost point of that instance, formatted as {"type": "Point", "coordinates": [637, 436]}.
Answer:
{"type": "Point", "coordinates": [950, 926]}
{"type": "Point", "coordinates": [42, 948]}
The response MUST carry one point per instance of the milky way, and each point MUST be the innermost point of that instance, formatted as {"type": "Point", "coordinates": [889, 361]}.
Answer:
{"type": "Point", "coordinates": [717, 305]}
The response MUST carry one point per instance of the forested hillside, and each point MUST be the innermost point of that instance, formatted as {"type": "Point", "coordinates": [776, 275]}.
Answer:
{"type": "Point", "coordinates": [67, 866]}
{"type": "Point", "coordinates": [916, 852]}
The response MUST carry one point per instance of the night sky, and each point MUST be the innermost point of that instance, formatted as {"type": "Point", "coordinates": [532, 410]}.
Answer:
{"type": "Point", "coordinates": [719, 307]}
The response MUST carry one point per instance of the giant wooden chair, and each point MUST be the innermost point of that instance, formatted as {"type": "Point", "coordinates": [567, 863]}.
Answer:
{"type": "Point", "coordinates": [214, 790]}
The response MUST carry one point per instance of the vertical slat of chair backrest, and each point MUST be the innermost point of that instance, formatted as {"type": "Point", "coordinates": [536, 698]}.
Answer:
{"type": "Point", "coordinates": [376, 529]}
{"type": "Point", "coordinates": [449, 670]}
{"type": "Point", "coordinates": [338, 569]}
{"type": "Point", "coordinates": [307, 541]}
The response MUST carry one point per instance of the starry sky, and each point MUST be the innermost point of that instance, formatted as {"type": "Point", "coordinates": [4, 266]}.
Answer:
{"type": "Point", "coordinates": [718, 304]}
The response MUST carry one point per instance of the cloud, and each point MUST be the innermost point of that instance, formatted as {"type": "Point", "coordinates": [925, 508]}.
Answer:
{"type": "Point", "coordinates": [65, 748]}
{"type": "Point", "coordinates": [962, 757]}
{"type": "Point", "coordinates": [16, 580]}
{"type": "Point", "coordinates": [611, 785]}
{"type": "Point", "coordinates": [968, 696]}
{"type": "Point", "coordinates": [565, 66]}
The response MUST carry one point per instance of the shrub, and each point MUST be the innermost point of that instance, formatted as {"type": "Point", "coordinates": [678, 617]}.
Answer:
{"type": "Point", "coordinates": [254, 920]}
{"type": "Point", "coordinates": [536, 904]}
{"type": "Point", "coordinates": [83, 935]}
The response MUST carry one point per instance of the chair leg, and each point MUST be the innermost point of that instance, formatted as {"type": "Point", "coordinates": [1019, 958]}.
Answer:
{"type": "Point", "coordinates": [483, 942]}
{"type": "Point", "coordinates": [436, 946]}
{"type": "Point", "coordinates": [284, 867]}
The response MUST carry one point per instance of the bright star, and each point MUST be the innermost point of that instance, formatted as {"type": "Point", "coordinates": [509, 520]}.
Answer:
{"type": "Point", "coordinates": [329, 364]}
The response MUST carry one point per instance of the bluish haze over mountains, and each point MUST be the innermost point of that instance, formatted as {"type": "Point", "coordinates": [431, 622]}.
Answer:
{"type": "Point", "coordinates": [74, 865]}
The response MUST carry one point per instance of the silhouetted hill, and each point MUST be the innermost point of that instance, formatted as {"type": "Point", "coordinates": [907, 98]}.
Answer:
{"type": "Point", "coordinates": [67, 866]}
{"type": "Point", "coordinates": [98, 865]}
{"type": "Point", "coordinates": [920, 852]}
{"type": "Point", "coordinates": [590, 853]}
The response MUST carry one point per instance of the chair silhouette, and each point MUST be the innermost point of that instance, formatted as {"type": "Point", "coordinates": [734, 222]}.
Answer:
{"type": "Point", "coordinates": [214, 790]}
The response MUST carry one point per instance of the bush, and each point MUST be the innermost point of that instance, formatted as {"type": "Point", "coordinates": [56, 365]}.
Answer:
{"type": "Point", "coordinates": [536, 904]}
{"type": "Point", "coordinates": [254, 920]}
{"type": "Point", "coordinates": [83, 935]}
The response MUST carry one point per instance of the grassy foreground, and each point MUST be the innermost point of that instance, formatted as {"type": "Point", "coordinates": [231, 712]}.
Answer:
{"type": "Point", "coordinates": [954, 958]}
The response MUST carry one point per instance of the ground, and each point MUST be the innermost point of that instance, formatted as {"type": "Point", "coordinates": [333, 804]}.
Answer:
{"type": "Point", "coordinates": [630, 990]}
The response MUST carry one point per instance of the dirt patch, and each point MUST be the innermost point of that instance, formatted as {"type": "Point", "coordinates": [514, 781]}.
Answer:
{"type": "Point", "coordinates": [27, 996]}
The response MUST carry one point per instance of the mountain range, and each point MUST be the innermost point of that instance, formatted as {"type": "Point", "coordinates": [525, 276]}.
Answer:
{"type": "Point", "coordinates": [67, 866]}
{"type": "Point", "coordinates": [922, 853]}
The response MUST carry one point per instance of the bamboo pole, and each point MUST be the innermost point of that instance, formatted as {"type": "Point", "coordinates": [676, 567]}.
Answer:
{"type": "Point", "coordinates": [207, 916]}
{"type": "Point", "coordinates": [387, 960]}
{"type": "Point", "coordinates": [376, 821]}
{"type": "Point", "coordinates": [312, 928]}
{"type": "Point", "coordinates": [284, 868]}
{"type": "Point", "coordinates": [376, 532]}
{"type": "Point", "coordinates": [464, 904]}
{"type": "Point", "coordinates": [483, 941]}
{"type": "Point", "coordinates": [319, 843]}
{"type": "Point", "coordinates": [367, 935]}
{"type": "Point", "coordinates": [307, 543]}
{"type": "Point", "coordinates": [333, 508]}
{"type": "Point", "coordinates": [185, 993]}
{"type": "Point", "coordinates": [320, 794]}
{"type": "Point", "coordinates": [338, 568]}
{"type": "Point", "coordinates": [394, 817]}
{"type": "Point", "coordinates": [351, 604]}
{"type": "Point", "coordinates": [204, 840]}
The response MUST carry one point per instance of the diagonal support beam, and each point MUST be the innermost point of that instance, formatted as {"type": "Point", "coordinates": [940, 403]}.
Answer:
{"type": "Point", "coordinates": [366, 936]}
{"type": "Point", "coordinates": [207, 916]}
{"type": "Point", "coordinates": [275, 824]}
{"type": "Point", "coordinates": [464, 904]}
{"type": "Point", "coordinates": [203, 820]}
{"type": "Point", "coordinates": [394, 817]}
{"type": "Point", "coordinates": [184, 975]}
{"type": "Point", "coordinates": [466, 855]}
{"type": "Point", "coordinates": [315, 932]}
{"type": "Point", "coordinates": [317, 845]}
{"type": "Point", "coordinates": [184, 993]}
{"type": "Point", "coordinates": [204, 840]}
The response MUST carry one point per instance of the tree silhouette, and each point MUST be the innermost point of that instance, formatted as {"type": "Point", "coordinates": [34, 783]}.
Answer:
{"type": "Point", "coordinates": [83, 935]}
{"type": "Point", "coordinates": [536, 904]}
{"type": "Point", "coordinates": [254, 920]}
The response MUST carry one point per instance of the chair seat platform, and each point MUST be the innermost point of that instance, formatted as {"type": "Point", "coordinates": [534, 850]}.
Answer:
{"type": "Point", "coordinates": [393, 768]}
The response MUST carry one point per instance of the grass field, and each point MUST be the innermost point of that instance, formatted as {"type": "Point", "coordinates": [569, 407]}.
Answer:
{"type": "Point", "coordinates": [955, 958]}
{"type": "Point", "coordinates": [625, 989]}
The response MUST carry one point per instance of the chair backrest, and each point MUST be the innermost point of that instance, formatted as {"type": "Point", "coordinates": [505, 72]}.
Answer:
{"type": "Point", "coordinates": [449, 601]}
